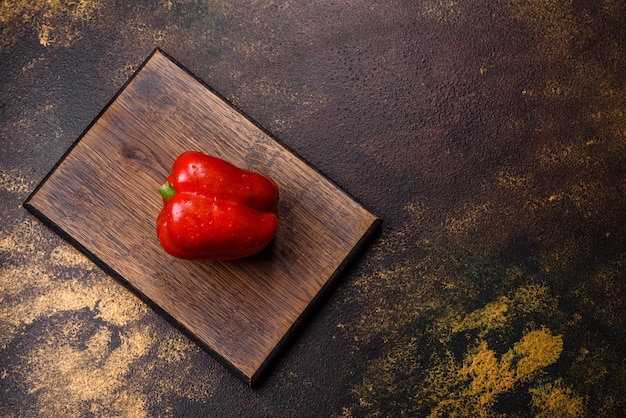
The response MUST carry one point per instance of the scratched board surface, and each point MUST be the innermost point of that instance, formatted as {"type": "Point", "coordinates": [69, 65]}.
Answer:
{"type": "Point", "coordinates": [102, 196]}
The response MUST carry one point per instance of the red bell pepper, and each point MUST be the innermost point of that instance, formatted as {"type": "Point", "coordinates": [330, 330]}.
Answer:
{"type": "Point", "coordinates": [213, 209]}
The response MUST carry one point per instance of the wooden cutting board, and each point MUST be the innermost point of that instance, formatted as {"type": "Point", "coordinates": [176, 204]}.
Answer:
{"type": "Point", "coordinates": [102, 197]}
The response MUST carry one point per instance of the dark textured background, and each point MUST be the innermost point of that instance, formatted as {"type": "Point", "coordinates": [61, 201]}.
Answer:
{"type": "Point", "coordinates": [489, 136]}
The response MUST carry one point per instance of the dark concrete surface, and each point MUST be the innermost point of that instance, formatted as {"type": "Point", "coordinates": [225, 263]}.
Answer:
{"type": "Point", "coordinates": [489, 136]}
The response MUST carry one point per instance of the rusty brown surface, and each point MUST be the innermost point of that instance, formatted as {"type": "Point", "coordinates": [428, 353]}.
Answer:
{"type": "Point", "coordinates": [490, 137]}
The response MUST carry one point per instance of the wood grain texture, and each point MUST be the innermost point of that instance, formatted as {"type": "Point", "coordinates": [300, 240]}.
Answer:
{"type": "Point", "coordinates": [102, 196]}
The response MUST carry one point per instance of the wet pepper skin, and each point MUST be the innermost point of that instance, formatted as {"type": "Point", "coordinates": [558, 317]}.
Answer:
{"type": "Point", "coordinates": [215, 210]}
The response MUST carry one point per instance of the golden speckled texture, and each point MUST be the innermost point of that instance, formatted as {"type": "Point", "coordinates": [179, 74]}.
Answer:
{"type": "Point", "coordinates": [489, 136]}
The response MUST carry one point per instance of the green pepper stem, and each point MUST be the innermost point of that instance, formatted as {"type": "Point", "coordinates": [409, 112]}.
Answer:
{"type": "Point", "coordinates": [167, 190]}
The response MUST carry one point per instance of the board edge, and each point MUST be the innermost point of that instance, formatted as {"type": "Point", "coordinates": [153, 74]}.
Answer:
{"type": "Point", "coordinates": [89, 126]}
{"type": "Point", "coordinates": [325, 291]}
